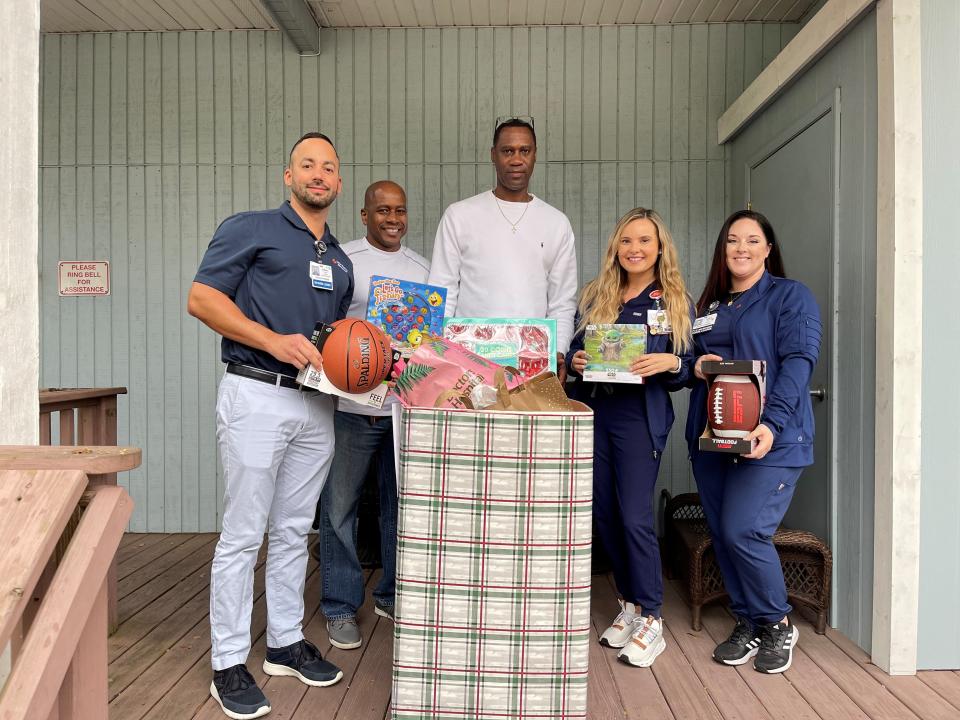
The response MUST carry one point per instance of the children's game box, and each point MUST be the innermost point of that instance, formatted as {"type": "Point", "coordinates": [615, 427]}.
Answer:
{"type": "Point", "coordinates": [406, 311]}
{"type": "Point", "coordinates": [527, 344]}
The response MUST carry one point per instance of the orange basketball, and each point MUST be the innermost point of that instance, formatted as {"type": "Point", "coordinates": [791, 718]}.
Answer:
{"type": "Point", "coordinates": [356, 355]}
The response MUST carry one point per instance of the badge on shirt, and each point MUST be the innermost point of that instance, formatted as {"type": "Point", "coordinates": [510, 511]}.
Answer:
{"type": "Point", "coordinates": [657, 322]}
{"type": "Point", "coordinates": [321, 276]}
{"type": "Point", "coordinates": [704, 324]}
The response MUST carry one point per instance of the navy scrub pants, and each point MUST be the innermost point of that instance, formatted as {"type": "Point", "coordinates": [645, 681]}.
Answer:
{"type": "Point", "coordinates": [744, 504]}
{"type": "Point", "coordinates": [624, 475]}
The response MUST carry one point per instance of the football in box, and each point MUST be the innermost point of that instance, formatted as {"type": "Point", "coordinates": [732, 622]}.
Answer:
{"type": "Point", "coordinates": [730, 407]}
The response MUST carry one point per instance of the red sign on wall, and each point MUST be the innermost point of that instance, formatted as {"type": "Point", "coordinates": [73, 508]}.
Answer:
{"type": "Point", "coordinates": [84, 277]}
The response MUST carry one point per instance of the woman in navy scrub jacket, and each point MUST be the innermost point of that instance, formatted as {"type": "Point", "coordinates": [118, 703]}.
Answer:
{"type": "Point", "coordinates": [640, 283]}
{"type": "Point", "coordinates": [750, 311]}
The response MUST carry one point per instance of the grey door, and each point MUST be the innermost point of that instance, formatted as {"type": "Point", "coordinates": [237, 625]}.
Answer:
{"type": "Point", "coordinates": [793, 183]}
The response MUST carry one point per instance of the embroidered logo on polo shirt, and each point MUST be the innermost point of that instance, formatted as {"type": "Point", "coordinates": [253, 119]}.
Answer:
{"type": "Point", "coordinates": [339, 265]}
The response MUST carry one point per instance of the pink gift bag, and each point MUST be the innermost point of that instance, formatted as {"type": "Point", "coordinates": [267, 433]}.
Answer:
{"type": "Point", "coordinates": [441, 372]}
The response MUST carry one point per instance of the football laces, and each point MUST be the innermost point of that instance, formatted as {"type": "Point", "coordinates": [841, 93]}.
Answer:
{"type": "Point", "coordinates": [718, 405]}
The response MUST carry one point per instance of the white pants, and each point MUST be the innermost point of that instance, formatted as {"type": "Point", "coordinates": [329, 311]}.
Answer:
{"type": "Point", "coordinates": [276, 445]}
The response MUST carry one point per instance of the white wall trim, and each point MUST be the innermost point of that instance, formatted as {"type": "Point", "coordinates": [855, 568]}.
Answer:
{"type": "Point", "coordinates": [807, 45]}
{"type": "Point", "coordinates": [899, 357]}
{"type": "Point", "coordinates": [19, 217]}
{"type": "Point", "coordinates": [19, 221]}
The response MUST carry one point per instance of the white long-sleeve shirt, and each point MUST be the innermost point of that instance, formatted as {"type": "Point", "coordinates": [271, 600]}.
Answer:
{"type": "Point", "coordinates": [491, 271]}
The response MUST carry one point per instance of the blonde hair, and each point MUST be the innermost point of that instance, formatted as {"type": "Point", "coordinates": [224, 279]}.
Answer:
{"type": "Point", "coordinates": [601, 299]}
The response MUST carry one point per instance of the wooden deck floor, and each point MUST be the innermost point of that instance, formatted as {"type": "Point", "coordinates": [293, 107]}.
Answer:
{"type": "Point", "coordinates": [159, 660]}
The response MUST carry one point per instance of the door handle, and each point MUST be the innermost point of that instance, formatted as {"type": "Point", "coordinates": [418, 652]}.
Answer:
{"type": "Point", "coordinates": [820, 393]}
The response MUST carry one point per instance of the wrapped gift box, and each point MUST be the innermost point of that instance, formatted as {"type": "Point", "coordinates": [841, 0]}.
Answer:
{"type": "Point", "coordinates": [493, 567]}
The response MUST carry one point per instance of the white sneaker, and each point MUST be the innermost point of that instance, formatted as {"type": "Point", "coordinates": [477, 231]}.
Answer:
{"type": "Point", "coordinates": [645, 644]}
{"type": "Point", "coordinates": [619, 632]}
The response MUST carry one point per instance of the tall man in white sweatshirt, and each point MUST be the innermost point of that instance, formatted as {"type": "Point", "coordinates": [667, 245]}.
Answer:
{"type": "Point", "coordinates": [505, 252]}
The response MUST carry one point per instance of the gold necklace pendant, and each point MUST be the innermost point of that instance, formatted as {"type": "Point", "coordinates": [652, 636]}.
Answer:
{"type": "Point", "coordinates": [513, 225]}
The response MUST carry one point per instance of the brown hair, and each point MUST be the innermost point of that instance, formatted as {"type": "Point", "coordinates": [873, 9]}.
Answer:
{"type": "Point", "coordinates": [718, 279]}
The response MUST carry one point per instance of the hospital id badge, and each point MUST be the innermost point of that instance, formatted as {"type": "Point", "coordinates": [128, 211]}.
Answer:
{"type": "Point", "coordinates": [657, 322]}
{"type": "Point", "coordinates": [704, 324]}
{"type": "Point", "coordinates": [321, 276]}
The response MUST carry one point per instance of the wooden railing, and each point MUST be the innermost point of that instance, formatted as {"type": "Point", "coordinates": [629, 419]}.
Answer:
{"type": "Point", "coordinates": [59, 649]}
{"type": "Point", "coordinates": [86, 416]}
{"type": "Point", "coordinates": [94, 462]}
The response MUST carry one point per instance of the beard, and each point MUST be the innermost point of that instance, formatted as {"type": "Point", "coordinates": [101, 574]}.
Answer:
{"type": "Point", "coordinates": [311, 200]}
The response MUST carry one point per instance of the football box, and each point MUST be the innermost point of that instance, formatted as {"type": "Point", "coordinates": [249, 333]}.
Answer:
{"type": "Point", "coordinates": [756, 370]}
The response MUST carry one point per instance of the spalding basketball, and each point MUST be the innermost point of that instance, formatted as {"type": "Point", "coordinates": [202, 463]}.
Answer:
{"type": "Point", "coordinates": [356, 355]}
{"type": "Point", "coordinates": [733, 406]}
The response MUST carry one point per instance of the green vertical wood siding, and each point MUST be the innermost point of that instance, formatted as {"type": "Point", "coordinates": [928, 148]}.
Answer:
{"type": "Point", "coordinates": [938, 641]}
{"type": "Point", "coordinates": [149, 140]}
{"type": "Point", "coordinates": [850, 65]}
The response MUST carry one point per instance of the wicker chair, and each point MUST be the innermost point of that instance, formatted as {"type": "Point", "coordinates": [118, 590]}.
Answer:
{"type": "Point", "coordinates": [806, 560]}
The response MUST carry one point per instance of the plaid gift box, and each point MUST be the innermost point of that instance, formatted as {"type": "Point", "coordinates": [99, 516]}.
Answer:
{"type": "Point", "coordinates": [493, 568]}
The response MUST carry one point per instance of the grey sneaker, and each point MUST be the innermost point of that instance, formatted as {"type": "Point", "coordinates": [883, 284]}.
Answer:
{"type": "Point", "coordinates": [344, 633]}
{"type": "Point", "coordinates": [383, 610]}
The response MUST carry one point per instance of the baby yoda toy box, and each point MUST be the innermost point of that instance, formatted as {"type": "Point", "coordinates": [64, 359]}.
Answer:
{"type": "Point", "coordinates": [611, 350]}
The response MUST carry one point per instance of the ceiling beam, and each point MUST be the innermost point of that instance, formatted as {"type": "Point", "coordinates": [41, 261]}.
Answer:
{"type": "Point", "coordinates": [297, 22]}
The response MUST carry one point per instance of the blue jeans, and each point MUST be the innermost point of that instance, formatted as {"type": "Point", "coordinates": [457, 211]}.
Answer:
{"type": "Point", "coordinates": [359, 438]}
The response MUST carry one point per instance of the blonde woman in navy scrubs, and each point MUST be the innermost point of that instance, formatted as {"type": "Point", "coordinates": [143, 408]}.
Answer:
{"type": "Point", "coordinates": [640, 283]}
{"type": "Point", "coordinates": [749, 310]}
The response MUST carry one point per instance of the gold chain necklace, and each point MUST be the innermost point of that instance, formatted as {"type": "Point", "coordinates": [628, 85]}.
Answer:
{"type": "Point", "coordinates": [513, 225]}
{"type": "Point", "coordinates": [732, 297]}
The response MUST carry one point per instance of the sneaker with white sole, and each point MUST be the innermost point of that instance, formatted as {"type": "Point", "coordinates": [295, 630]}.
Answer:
{"type": "Point", "coordinates": [777, 642]}
{"type": "Point", "coordinates": [303, 661]}
{"type": "Point", "coordinates": [238, 694]}
{"type": "Point", "coordinates": [344, 633]}
{"type": "Point", "coordinates": [646, 643]}
{"type": "Point", "coordinates": [620, 630]}
{"type": "Point", "coordinates": [743, 644]}
{"type": "Point", "coordinates": [384, 610]}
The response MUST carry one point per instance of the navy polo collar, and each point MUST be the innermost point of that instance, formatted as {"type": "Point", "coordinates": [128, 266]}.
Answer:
{"type": "Point", "coordinates": [294, 219]}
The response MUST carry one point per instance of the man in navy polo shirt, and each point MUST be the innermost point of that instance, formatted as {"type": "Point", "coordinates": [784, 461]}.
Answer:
{"type": "Point", "coordinates": [266, 279]}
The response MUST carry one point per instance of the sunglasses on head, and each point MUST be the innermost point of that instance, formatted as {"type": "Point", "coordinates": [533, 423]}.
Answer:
{"type": "Point", "coordinates": [513, 119]}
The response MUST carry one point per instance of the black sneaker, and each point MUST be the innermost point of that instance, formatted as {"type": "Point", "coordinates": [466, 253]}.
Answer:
{"type": "Point", "coordinates": [742, 644]}
{"type": "Point", "coordinates": [303, 661]}
{"type": "Point", "coordinates": [383, 610]}
{"type": "Point", "coordinates": [777, 642]}
{"type": "Point", "coordinates": [238, 694]}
